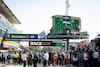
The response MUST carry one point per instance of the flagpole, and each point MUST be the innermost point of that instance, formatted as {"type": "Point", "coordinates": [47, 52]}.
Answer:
{"type": "Point", "coordinates": [67, 7]}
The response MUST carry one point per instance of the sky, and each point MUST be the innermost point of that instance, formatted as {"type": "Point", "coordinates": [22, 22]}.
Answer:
{"type": "Point", "coordinates": [35, 15]}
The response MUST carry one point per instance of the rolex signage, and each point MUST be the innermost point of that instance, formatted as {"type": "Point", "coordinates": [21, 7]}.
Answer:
{"type": "Point", "coordinates": [23, 36]}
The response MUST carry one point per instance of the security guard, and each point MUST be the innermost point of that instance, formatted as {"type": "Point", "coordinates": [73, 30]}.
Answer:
{"type": "Point", "coordinates": [16, 57]}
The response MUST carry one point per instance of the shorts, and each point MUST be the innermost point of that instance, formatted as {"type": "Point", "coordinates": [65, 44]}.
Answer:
{"type": "Point", "coordinates": [75, 62]}
{"type": "Point", "coordinates": [29, 62]}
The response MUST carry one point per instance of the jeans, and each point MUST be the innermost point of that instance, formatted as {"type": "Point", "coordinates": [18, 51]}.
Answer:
{"type": "Point", "coordinates": [24, 63]}
{"type": "Point", "coordinates": [95, 62]}
{"type": "Point", "coordinates": [86, 63]}
{"type": "Point", "coordinates": [45, 63]}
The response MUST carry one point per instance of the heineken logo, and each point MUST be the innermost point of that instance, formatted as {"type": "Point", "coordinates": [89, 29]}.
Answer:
{"type": "Point", "coordinates": [23, 36]}
{"type": "Point", "coordinates": [16, 36]}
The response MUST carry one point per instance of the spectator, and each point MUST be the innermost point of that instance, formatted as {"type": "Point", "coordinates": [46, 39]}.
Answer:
{"type": "Point", "coordinates": [40, 57]}
{"type": "Point", "coordinates": [73, 46]}
{"type": "Point", "coordinates": [24, 58]}
{"type": "Point", "coordinates": [50, 57]}
{"type": "Point", "coordinates": [95, 57]}
{"type": "Point", "coordinates": [62, 59]}
{"type": "Point", "coordinates": [15, 57]}
{"type": "Point", "coordinates": [90, 58]}
{"type": "Point", "coordinates": [81, 58]}
{"type": "Point", "coordinates": [86, 59]}
{"type": "Point", "coordinates": [46, 57]}
{"type": "Point", "coordinates": [67, 56]}
{"type": "Point", "coordinates": [55, 56]}
{"type": "Point", "coordinates": [29, 59]}
{"type": "Point", "coordinates": [59, 58]}
{"type": "Point", "coordinates": [9, 57]}
{"type": "Point", "coordinates": [20, 58]}
{"type": "Point", "coordinates": [75, 61]}
{"type": "Point", "coordinates": [35, 60]}
{"type": "Point", "coordinates": [3, 59]}
{"type": "Point", "coordinates": [0, 57]}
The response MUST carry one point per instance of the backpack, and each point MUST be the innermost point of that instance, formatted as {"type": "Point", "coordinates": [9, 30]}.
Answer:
{"type": "Point", "coordinates": [36, 57]}
{"type": "Point", "coordinates": [9, 56]}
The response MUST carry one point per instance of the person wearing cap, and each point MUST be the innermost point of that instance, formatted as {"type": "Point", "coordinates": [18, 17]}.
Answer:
{"type": "Point", "coordinates": [55, 56]}
{"type": "Point", "coordinates": [67, 58]}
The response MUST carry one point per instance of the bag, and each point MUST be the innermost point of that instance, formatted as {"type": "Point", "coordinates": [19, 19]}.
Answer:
{"type": "Point", "coordinates": [17, 59]}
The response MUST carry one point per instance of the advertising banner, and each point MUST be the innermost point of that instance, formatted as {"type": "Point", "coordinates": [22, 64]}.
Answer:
{"type": "Point", "coordinates": [32, 43]}
{"type": "Point", "coordinates": [23, 36]}
{"type": "Point", "coordinates": [6, 46]}
{"type": "Point", "coordinates": [7, 25]}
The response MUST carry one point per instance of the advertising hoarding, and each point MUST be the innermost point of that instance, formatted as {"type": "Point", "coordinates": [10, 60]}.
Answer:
{"type": "Point", "coordinates": [44, 43]}
{"type": "Point", "coordinates": [23, 36]}
{"type": "Point", "coordinates": [7, 25]}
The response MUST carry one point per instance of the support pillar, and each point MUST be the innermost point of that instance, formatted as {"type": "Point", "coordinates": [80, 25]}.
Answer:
{"type": "Point", "coordinates": [67, 43]}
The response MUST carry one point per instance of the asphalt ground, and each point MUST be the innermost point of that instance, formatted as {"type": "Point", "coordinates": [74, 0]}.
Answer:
{"type": "Point", "coordinates": [17, 65]}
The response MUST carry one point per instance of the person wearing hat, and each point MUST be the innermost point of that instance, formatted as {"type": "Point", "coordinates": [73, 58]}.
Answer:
{"type": "Point", "coordinates": [55, 56]}
{"type": "Point", "coordinates": [67, 57]}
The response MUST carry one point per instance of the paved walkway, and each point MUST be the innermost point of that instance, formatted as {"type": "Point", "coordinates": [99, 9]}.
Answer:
{"type": "Point", "coordinates": [17, 65]}
{"type": "Point", "coordinates": [13, 65]}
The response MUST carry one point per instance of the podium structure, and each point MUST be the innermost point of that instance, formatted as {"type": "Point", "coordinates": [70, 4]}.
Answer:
{"type": "Point", "coordinates": [65, 28]}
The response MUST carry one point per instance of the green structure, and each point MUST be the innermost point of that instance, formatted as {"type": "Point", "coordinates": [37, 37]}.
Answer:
{"type": "Point", "coordinates": [72, 23]}
{"type": "Point", "coordinates": [60, 23]}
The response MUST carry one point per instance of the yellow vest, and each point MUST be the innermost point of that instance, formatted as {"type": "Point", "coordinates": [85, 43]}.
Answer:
{"type": "Point", "coordinates": [18, 56]}
{"type": "Point", "coordinates": [15, 55]}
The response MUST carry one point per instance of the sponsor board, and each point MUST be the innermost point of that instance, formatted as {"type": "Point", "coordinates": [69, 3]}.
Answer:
{"type": "Point", "coordinates": [32, 43]}
{"type": "Point", "coordinates": [23, 36]}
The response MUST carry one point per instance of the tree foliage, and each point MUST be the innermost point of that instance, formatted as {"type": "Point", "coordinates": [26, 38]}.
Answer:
{"type": "Point", "coordinates": [45, 48]}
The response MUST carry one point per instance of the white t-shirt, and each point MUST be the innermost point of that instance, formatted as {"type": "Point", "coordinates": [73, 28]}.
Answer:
{"type": "Point", "coordinates": [55, 56]}
{"type": "Point", "coordinates": [24, 57]}
{"type": "Point", "coordinates": [78, 26]}
{"type": "Point", "coordinates": [85, 56]}
{"type": "Point", "coordinates": [46, 56]}
{"type": "Point", "coordinates": [67, 56]}
{"type": "Point", "coordinates": [13, 55]}
{"type": "Point", "coordinates": [4, 55]}
{"type": "Point", "coordinates": [75, 59]}
{"type": "Point", "coordinates": [73, 45]}
{"type": "Point", "coordinates": [96, 54]}
{"type": "Point", "coordinates": [83, 44]}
